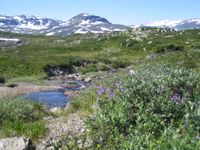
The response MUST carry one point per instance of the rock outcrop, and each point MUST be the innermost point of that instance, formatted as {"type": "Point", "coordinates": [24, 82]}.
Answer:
{"type": "Point", "coordinates": [16, 143]}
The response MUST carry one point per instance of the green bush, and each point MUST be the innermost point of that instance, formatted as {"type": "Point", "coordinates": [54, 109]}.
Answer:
{"type": "Point", "coordinates": [21, 117]}
{"type": "Point", "coordinates": [71, 142]}
{"type": "Point", "coordinates": [146, 105]}
{"type": "Point", "coordinates": [103, 67]}
{"type": "Point", "coordinates": [88, 68]}
{"type": "Point", "coordinates": [33, 130]}
{"type": "Point", "coordinates": [169, 48]}
{"type": "Point", "coordinates": [19, 109]}
{"type": "Point", "coordinates": [119, 64]}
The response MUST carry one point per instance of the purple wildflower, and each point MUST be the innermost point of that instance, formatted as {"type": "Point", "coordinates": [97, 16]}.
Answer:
{"type": "Point", "coordinates": [111, 95]}
{"type": "Point", "coordinates": [176, 98]}
{"type": "Point", "coordinates": [100, 90]}
{"type": "Point", "coordinates": [108, 90]}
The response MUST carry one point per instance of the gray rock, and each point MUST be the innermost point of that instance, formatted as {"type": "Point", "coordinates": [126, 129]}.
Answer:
{"type": "Point", "coordinates": [55, 110]}
{"type": "Point", "coordinates": [131, 72]}
{"type": "Point", "coordinates": [88, 79]}
{"type": "Point", "coordinates": [16, 143]}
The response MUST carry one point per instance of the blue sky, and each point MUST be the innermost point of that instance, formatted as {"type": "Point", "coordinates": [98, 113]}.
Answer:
{"type": "Point", "coordinates": [127, 12]}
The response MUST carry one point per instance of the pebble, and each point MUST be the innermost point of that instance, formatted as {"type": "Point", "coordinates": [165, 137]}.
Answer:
{"type": "Point", "coordinates": [58, 127]}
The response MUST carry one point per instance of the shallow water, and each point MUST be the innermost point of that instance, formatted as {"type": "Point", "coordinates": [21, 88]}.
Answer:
{"type": "Point", "coordinates": [49, 98]}
{"type": "Point", "coordinates": [55, 98]}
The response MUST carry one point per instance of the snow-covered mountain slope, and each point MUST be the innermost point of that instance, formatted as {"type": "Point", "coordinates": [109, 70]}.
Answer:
{"type": "Point", "coordinates": [176, 24]}
{"type": "Point", "coordinates": [164, 23]}
{"type": "Point", "coordinates": [82, 23]}
{"type": "Point", "coordinates": [85, 23]}
{"type": "Point", "coordinates": [26, 24]}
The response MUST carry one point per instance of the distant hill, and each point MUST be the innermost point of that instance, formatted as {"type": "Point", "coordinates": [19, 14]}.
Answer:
{"type": "Point", "coordinates": [82, 23]}
{"type": "Point", "coordinates": [176, 24]}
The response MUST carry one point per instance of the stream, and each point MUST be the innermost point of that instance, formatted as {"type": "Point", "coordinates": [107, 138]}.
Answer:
{"type": "Point", "coordinates": [54, 98]}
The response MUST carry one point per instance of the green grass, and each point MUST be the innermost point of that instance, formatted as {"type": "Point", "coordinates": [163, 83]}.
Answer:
{"type": "Point", "coordinates": [109, 50]}
{"type": "Point", "coordinates": [85, 103]}
{"type": "Point", "coordinates": [34, 130]}
{"type": "Point", "coordinates": [38, 79]}
{"type": "Point", "coordinates": [29, 60]}
{"type": "Point", "coordinates": [20, 117]}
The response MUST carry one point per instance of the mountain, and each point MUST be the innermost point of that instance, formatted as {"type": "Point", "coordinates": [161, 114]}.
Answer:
{"type": "Point", "coordinates": [26, 24]}
{"type": "Point", "coordinates": [176, 24]}
{"type": "Point", "coordinates": [85, 23]}
{"type": "Point", "coordinates": [82, 23]}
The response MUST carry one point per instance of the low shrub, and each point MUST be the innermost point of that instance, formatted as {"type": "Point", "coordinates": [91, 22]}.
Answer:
{"type": "Point", "coordinates": [85, 102]}
{"type": "Point", "coordinates": [119, 64]}
{"type": "Point", "coordinates": [103, 67]}
{"type": "Point", "coordinates": [88, 68]}
{"type": "Point", "coordinates": [144, 110]}
{"type": "Point", "coordinates": [19, 109]}
{"type": "Point", "coordinates": [22, 117]}
{"type": "Point", "coordinates": [71, 142]}
{"type": "Point", "coordinates": [168, 48]}
{"type": "Point", "coordinates": [33, 130]}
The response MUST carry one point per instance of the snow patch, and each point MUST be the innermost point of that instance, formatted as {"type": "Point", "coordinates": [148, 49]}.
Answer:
{"type": "Point", "coordinates": [88, 26]}
{"type": "Point", "coordinates": [105, 29]}
{"type": "Point", "coordinates": [51, 33]}
{"type": "Point", "coordinates": [1, 17]}
{"type": "Point", "coordinates": [65, 23]}
{"type": "Point", "coordinates": [85, 15]}
{"type": "Point", "coordinates": [87, 22]}
{"type": "Point", "coordinates": [11, 40]}
{"type": "Point", "coordinates": [32, 26]}
{"type": "Point", "coordinates": [55, 27]}
{"type": "Point", "coordinates": [117, 29]}
{"type": "Point", "coordinates": [164, 23]}
{"type": "Point", "coordinates": [18, 18]}
{"type": "Point", "coordinates": [80, 31]}
{"type": "Point", "coordinates": [96, 32]}
{"type": "Point", "coordinates": [97, 23]}
{"type": "Point", "coordinates": [194, 20]}
{"type": "Point", "coordinates": [84, 22]}
{"type": "Point", "coordinates": [135, 26]}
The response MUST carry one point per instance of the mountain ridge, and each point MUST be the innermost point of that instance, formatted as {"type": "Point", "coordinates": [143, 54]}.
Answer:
{"type": "Point", "coordinates": [81, 23]}
{"type": "Point", "coordinates": [177, 25]}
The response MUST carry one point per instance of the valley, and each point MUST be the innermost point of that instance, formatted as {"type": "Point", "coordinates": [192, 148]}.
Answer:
{"type": "Point", "coordinates": [115, 68]}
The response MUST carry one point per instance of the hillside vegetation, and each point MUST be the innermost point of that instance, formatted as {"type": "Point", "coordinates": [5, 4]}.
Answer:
{"type": "Point", "coordinates": [100, 52]}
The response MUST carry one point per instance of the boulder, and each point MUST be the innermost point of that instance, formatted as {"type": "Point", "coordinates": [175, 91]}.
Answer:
{"type": "Point", "coordinates": [88, 79]}
{"type": "Point", "coordinates": [56, 110]}
{"type": "Point", "coordinates": [16, 143]}
{"type": "Point", "coordinates": [131, 72]}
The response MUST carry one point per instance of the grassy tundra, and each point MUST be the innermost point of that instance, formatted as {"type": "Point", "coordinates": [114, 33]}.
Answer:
{"type": "Point", "coordinates": [154, 107]}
